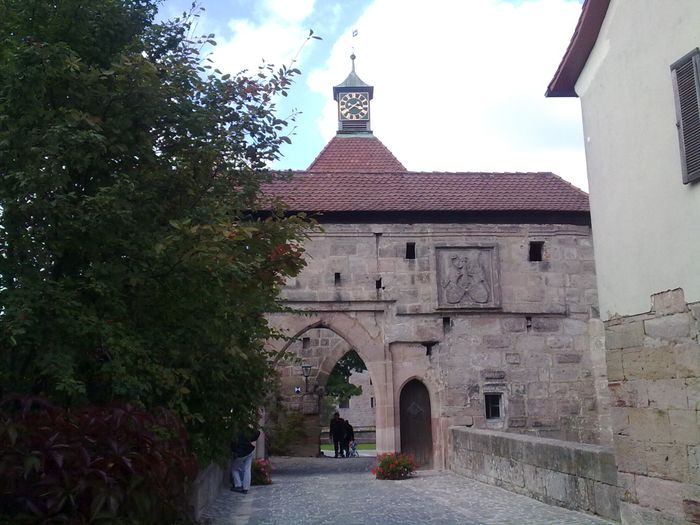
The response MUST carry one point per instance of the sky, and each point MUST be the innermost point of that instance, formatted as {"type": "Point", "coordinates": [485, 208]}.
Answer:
{"type": "Point", "coordinates": [458, 84]}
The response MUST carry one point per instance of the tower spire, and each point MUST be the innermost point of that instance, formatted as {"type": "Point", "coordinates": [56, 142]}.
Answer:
{"type": "Point", "coordinates": [353, 96]}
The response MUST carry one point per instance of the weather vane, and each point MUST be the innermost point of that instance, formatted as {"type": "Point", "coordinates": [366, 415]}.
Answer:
{"type": "Point", "coordinates": [352, 56]}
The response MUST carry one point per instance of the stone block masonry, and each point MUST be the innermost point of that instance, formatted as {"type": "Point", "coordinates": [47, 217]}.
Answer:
{"type": "Point", "coordinates": [572, 475]}
{"type": "Point", "coordinates": [654, 381]}
{"type": "Point", "coordinates": [498, 339]}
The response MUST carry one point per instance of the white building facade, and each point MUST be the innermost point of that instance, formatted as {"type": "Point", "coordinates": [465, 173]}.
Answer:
{"type": "Point", "coordinates": [636, 68]}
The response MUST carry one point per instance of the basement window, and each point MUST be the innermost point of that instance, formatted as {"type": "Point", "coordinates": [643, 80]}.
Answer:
{"type": "Point", "coordinates": [686, 87]}
{"type": "Point", "coordinates": [493, 405]}
{"type": "Point", "coordinates": [536, 250]}
{"type": "Point", "coordinates": [336, 279]}
{"type": "Point", "coordinates": [410, 250]}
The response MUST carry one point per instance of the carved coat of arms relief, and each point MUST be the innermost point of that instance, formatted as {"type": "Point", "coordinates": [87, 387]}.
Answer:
{"type": "Point", "coordinates": [468, 277]}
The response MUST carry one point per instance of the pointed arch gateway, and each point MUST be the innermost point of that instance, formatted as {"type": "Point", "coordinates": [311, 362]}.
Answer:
{"type": "Point", "coordinates": [320, 345]}
{"type": "Point", "coordinates": [416, 422]}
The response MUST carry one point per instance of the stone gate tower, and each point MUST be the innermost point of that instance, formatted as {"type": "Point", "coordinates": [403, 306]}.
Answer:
{"type": "Point", "coordinates": [467, 295]}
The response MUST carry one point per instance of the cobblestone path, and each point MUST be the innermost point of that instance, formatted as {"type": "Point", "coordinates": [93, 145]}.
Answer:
{"type": "Point", "coordinates": [344, 492]}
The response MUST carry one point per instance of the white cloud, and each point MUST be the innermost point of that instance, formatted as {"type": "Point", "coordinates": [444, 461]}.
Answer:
{"type": "Point", "coordinates": [459, 86]}
{"type": "Point", "coordinates": [274, 34]}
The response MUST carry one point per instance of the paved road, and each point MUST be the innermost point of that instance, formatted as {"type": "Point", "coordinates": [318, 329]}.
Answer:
{"type": "Point", "coordinates": [328, 491]}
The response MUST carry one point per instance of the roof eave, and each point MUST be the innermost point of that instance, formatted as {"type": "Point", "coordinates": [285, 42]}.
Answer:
{"type": "Point", "coordinates": [585, 35]}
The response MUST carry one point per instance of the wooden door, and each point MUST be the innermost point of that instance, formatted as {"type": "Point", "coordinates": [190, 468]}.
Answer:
{"type": "Point", "coordinates": [416, 428]}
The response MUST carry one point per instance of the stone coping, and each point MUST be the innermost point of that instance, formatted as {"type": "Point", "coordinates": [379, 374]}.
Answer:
{"type": "Point", "coordinates": [594, 462]}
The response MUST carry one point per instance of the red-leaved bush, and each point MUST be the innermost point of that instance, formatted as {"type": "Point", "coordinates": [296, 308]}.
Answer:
{"type": "Point", "coordinates": [115, 464]}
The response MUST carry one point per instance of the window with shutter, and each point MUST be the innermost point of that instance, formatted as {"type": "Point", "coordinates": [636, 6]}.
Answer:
{"type": "Point", "coordinates": [686, 85]}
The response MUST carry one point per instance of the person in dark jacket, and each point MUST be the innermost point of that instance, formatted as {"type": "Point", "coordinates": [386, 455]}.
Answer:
{"type": "Point", "coordinates": [242, 449]}
{"type": "Point", "coordinates": [348, 436]}
{"type": "Point", "coordinates": [337, 433]}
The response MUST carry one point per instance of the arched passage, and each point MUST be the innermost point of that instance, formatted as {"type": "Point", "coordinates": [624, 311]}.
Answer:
{"type": "Point", "coordinates": [416, 422]}
{"type": "Point", "coordinates": [350, 392]}
{"type": "Point", "coordinates": [319, 348]}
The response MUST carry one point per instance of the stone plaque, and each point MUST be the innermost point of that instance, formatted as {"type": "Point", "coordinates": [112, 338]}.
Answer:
{"type": "Point", "coordinates": [468, 277]}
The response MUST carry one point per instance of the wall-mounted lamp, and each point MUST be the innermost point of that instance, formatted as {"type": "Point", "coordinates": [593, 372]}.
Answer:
{"type": "Point", "coordinates": [306, 372]}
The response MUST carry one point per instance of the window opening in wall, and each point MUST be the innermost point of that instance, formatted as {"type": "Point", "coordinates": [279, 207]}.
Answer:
{"type": "Point", "coordinates": [306, 342]}
{"type": "Point", "coordinates": [371, 402]}
{"type": "Point", "coordinates": [429, 347]}
{"type": "Point", "coordinates": [446, 324]}
{"type": "Point", "coordinates": [686, 86]}
{"type": "Point", "coordinates": [528, 323]}
{"type": "Point", "coordinates": [336, 279]}
{"type": "Point", "coordinates": [370, 381]}
{"type": "Point", "coordinates": [536, 249]}
{"type": "Point", "coordinates": [344, 403]}
{"type": "Point", "coordinates": [493, 405]}
{"type": "Point", "coordinates": [410, 250]}
{"type": "Point", "coordinates": [378, 284]}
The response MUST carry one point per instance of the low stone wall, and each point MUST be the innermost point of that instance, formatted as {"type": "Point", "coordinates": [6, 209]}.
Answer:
{"type": "Point", "coordinates": [572, 475]}
{"type": "Point", "coordinates": [207, 487]}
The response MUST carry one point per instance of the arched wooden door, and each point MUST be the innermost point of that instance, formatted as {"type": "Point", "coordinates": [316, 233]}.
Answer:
{"type": "Point", "coordinates": [416, 428]}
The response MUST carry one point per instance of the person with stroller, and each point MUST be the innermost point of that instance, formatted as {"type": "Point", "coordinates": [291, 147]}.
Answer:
{"type": "Point", "coordinates": [348, 437]}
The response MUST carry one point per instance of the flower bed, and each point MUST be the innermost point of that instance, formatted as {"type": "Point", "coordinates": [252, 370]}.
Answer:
{"type": "Point", "coordinates": [394, 466]}
{"type": "Point", "coordinates": [261, 473]}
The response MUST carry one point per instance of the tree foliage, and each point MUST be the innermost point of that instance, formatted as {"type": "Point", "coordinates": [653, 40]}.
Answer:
{"type": "Point", "coordinates": [131, 264]}
{"type": "Point", "coordinates": [338, 385]}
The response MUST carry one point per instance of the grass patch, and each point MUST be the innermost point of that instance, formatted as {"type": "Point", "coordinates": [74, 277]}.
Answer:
{"type": "Point", "coordinates": [360, 446]}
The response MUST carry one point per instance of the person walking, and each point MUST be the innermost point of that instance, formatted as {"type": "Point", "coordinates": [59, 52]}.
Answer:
{"type": "Point", "coordinates": [242, 449]}
{"type": "Point", "coordinates": [337, 432]}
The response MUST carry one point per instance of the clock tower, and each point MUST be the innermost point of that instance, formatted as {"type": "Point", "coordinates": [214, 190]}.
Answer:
{"type": "Point", "coordinates": [353, 97]}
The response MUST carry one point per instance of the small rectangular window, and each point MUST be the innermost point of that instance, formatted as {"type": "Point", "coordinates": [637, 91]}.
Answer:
{"type": "Point", "coordinates": [536, 250]}
{"type": "Point", "coordinates": [344, 403]}
{"type": "Point", "coordinates": [446, 324]}
{"type": "Point", "coordinates": [371, 402]}
{"type": "Point", "coordinates": [378, 284]}
{"type": "Point", "coordinates": [410, 250]}
{"type": "Point", "coordinates": [493, 406]}
{"type": "Point", "coordinates": [306, 342]}
{"type": "Point", "coordinates": [686, 86]}
{"type": "Point", "coordinates": [336, 279]}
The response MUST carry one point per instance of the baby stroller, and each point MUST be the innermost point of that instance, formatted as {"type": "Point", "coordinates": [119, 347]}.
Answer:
{"type": "Point", "coordinates": [352, 451]}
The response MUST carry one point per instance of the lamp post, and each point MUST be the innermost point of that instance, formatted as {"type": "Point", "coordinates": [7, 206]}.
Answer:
{"type": "Point", "coordinates": [306, 371]}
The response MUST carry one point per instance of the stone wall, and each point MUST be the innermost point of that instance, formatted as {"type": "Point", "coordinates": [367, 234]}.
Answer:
{"type": "Point", "coordinates": [395, 293]}
{"type": "Point", "coordinates": [360, 413]}
{"type": "Point", "coordinates": [209, 483]}
{"type": "Point", "coordinates": [571, 475]}
{"type": "Point", "coordinates": [654, 378]}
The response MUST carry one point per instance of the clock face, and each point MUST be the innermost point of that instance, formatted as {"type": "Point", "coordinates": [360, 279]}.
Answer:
{"type": "Point", "coordinates": [354, 106]}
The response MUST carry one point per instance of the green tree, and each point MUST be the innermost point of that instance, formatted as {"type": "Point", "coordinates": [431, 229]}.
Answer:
{"type": "Point", "coordinates": [132, 265]}
{"type": "Point", "coordinates": [338, 386]}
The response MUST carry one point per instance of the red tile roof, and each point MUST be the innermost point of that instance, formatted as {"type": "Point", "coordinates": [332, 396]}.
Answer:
{"type": "Point", "coordinates": [427, 191]}
{"type": "Point", "coordinates": [363, 153]}
{"type": "Point", "coordinates": [580, 47]}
